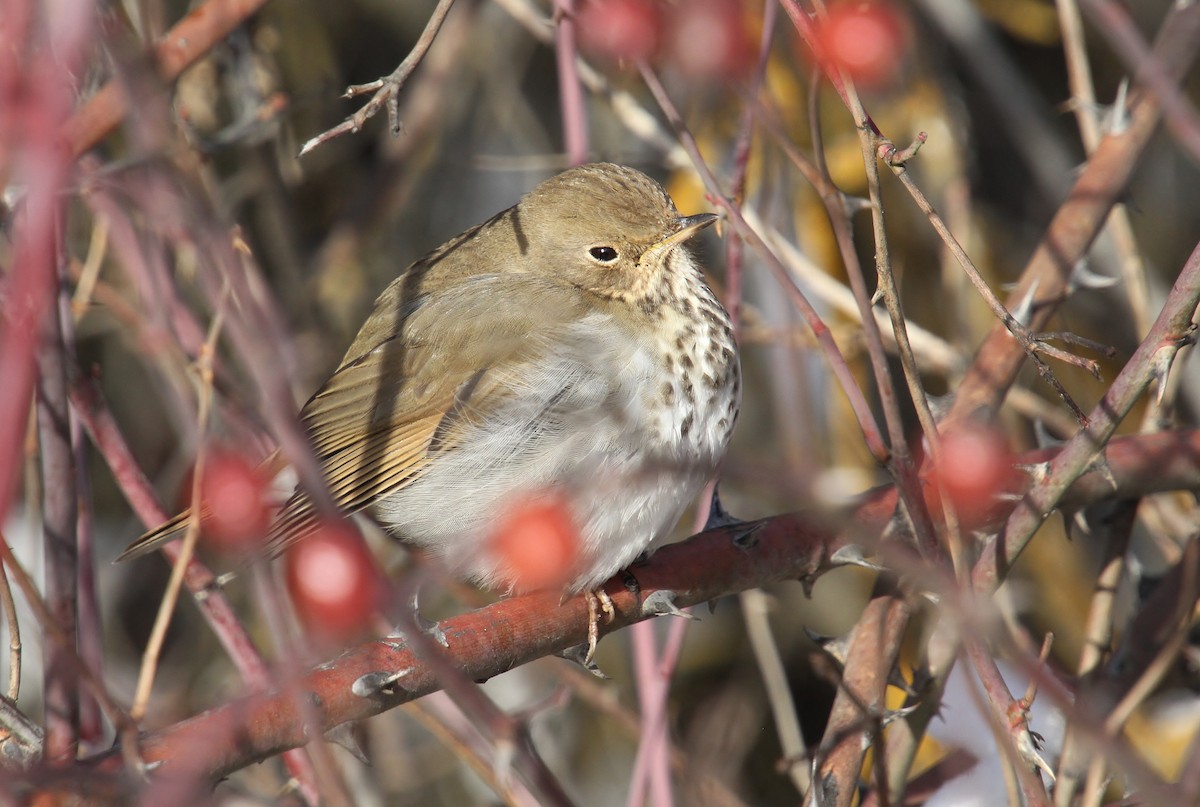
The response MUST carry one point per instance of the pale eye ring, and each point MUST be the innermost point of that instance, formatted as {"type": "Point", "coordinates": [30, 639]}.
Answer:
{"type": "Point", "coordinates": [603, 254]}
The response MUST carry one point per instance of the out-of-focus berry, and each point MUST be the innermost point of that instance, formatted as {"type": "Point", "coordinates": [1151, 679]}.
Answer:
{"type": "Point", "coordinates": [538, 543]}
{"type": "Point", "coordinates": [233, 493]}
{"type": "Point", "coordinates": [708, 40]}
{"type": "Point", "coordinates": [620, 30]}
{"type": "Point", "coordinates": [976, 466]}
{"type": "Point", "coordinates": [335, 585]}
{"type": "Point", "coordinates": [867, 40]}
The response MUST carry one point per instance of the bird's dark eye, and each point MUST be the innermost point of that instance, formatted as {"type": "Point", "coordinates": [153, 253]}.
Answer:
{"type": "Point", "coordinates": [603, 254]}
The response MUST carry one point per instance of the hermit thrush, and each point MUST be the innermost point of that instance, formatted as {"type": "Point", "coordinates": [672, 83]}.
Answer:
{"type": "Point", "coordinates": [568, 346]}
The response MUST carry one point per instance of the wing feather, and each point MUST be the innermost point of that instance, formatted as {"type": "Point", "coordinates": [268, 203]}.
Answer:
{"type": "Point", "coordinates": [418, 373]}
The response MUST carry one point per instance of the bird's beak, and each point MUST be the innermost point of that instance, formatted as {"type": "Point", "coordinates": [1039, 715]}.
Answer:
{"type": "Point", "coordinates": [688, 226]}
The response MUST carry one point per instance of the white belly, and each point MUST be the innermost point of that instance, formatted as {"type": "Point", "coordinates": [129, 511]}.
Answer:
{"type": "Point", "coordinates": [593, 425]}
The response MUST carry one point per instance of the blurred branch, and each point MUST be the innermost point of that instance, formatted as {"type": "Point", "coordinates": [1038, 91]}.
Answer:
{"type": "Point", "coordinates": [61, 552]}
{"type": "Point", "coordinates": [1098, 635]}
{"type": "Point", "coordinates": [13, 624]}
{"type": "Point", "coordinates": [1021, 110]}
{"type": "Point", "coordinates": [570, 91]}
{"type": "Point", "coordinates": [182, 46]}
{"type": "Point", "coordinates": [1010, 720]}
{"type": "Point", "coordinates": [55, 634]}
{"type": "Point", "coordinates": [442, 718]}
{"type": "Point", "coordinates": [212, 602]}
{"type": "Point", "coordinates": [1087, 115]}
{"type": "Point", "coordinates": [1181, 116]}
{"type": "Point", "coordinates": [166, 608]}
{"type": "Point", "coordinates": [858, 708]}
{"type": "Point", "coordinates": [756, 607]}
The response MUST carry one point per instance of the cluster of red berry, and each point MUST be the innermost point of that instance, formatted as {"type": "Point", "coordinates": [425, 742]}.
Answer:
{"type": "Point", "coordinates": [716, 39]}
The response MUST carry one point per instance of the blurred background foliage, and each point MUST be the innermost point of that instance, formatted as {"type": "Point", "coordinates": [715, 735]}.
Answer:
{"type": "Point", "coordinates": [480, 125]}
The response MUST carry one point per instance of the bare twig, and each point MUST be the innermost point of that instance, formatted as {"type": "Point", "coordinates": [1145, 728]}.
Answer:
{"type": "Point", "coordinates": [442, 718]}
{"type": "Point", "coordinates": [1009, 722]}
{"type": "Point", "coordinates": [212, 602]}
{"type": "Point", "coordinates": [55, 634]}
{"type": "Point", "coordinates": [878, 634]}
{"type": "Point", "coordinates": [1087, 115]}
{"type": "Point", "coordinates": [1097, 640]}
{"type": "Point", "coordinates": [1031, 344]}
{"type": "Point", "coordinates": [1182, 118]}
{"type": "Point", "coordinates": [387, 89]}
{"type": "Point", "coordinates": [755, 610]}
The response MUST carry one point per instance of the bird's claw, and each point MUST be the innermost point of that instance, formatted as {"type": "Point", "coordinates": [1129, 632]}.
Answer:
{"type": "Point", "coordinates": [598, 602]}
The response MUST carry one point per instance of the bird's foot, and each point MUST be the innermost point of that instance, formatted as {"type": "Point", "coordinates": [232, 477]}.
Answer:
{"type": "Point", "coordinates": [598, 602]}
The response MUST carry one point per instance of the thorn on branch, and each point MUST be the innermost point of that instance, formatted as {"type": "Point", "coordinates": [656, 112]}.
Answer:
{"type": "Point", "coordinates": [1084, 278]}
{"type": "Point", "coordinates": [662, 603]}
{"type": "Point", "coordinates": [578, 654]}
{"type": "Point", "coordinates": [1108, 351]}
{"type": "Point", "coordinates": [379, 682]}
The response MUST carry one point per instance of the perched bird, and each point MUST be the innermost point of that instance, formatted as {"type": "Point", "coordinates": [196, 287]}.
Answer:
{"type": "Point", "coordinates": [568, 346]}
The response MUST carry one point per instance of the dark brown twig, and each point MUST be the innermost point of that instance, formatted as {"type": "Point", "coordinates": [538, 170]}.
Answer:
{"type": "Point", "coordinates": [387, 89]}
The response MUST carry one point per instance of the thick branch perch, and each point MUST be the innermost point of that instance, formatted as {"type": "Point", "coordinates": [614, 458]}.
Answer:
{"type": "Point", "coordinates": [512, 632]}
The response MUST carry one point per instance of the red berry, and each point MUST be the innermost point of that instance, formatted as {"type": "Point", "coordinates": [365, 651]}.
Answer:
{"type": "Point", "coordinates": [709, 40]}
{"type": "Point", "coordinates": [233, 493]}
{"type": "Point", "coordinates": [334, 582]}
{"type": "Point", "coordinates": [620, 29]}
{"type": "Point", "coordinates": [537, 542]}
{"type": "Point", "coordinates": [866, 40]}
{"type": "Point", "coordinates": [976, 466]}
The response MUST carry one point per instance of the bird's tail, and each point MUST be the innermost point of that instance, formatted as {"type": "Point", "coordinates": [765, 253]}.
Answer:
{"type": "Point", "coordinates": [165, 533]}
